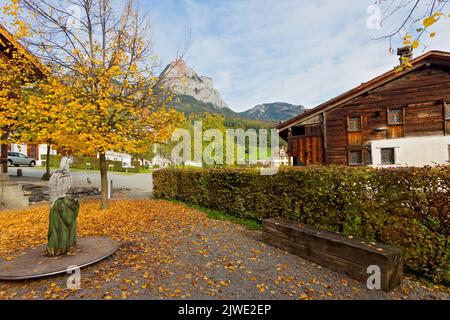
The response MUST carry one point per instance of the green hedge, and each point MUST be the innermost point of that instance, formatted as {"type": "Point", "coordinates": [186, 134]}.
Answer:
{"type": "Point", "coordinates": [405, 207]}
{"type": "Point", "coordinates": [80, 163]}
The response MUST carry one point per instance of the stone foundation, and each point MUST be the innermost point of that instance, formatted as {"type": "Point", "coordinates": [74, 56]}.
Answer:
{"type": "Point", "coordinates": [12, 196]}
{"type": "Point", "coordinates": [39, 193]}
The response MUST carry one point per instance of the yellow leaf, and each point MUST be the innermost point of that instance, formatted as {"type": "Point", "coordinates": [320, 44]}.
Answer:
{"type": "Point", "coordinates": [415, 44]}
{"type": "Point", "coordinates": [438, 14]}
{"type": "Point", "coordinates": [428, 22]}
{"type": "Point", "coordinates": [261, 287]}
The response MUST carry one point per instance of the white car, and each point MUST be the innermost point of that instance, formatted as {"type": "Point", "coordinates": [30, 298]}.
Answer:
{"type": "Point", "coordinates": [19, 159]}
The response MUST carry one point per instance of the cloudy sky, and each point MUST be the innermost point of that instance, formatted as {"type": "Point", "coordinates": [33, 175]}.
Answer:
{"type": "Point", "coordinates": [296, 51]}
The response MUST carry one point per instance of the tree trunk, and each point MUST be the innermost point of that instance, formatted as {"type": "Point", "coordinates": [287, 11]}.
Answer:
{"type": "Point", "coordinates": [104, 180]}
{"type": "Point", "coordinates": [47, 163]}
{"type": "Point", "coordinates": [46, 176]}
{"type": "Point", "coordinates": [4, 157]}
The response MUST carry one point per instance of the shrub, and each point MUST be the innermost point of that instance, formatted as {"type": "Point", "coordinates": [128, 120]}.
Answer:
{"type": "Point", "coordinates": [80, 163]}
{"type": "Point", "coordinates": [404, 207]}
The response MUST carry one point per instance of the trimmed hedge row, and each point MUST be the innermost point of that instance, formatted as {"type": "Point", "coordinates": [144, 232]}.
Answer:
{"type": "Point", "coordinates": [405, 207]}
{"type": "Point", "coordinates": [80, 163]}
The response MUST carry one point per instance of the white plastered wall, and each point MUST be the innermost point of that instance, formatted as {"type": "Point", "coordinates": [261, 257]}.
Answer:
{"type": "Point", "coordinates": [414, 151]}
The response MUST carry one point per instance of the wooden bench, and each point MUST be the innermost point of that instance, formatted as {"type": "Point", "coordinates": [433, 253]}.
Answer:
{"type": "Point", "coordinates": [339, 253]}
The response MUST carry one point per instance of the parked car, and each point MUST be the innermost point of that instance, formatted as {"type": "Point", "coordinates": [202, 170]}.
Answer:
{"type": "Point", "coordinates": [19, 159]}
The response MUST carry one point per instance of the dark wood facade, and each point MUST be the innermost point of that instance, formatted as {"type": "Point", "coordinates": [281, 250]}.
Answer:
{"type": "Point", "coordinates": [414, 103]}
{"type": "Point", "coordinates": [309, 148]}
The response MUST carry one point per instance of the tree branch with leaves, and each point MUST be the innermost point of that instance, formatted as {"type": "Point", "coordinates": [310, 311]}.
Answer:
{"type": "Point", "coordinates": [112, 96]}
{"type": "Point", "coordinates": [410, 20]}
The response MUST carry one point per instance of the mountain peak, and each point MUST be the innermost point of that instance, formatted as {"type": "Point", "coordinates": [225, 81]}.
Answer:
{"type": "Point", "coordinates": [196, 93]}
{"type": "Point", "coordinates": [183, 80]}
{"type": "Point", "coordinates": [179, 66]}
{"type": "Point", "coordinates": [278, 111]}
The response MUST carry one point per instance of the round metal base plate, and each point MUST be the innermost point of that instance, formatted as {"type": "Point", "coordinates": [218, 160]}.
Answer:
{"type": "Point", "coordinates": [32, 263]}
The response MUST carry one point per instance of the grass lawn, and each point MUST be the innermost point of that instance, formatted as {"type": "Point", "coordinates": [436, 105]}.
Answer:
{"type": "Point", "coordinates": [249, 224]}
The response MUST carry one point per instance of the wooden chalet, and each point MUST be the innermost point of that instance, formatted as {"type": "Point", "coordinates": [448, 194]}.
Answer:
{"type": "Point", "coordinates": [398, 118]}
{"type": "Point", "coordinates": [9, 45]}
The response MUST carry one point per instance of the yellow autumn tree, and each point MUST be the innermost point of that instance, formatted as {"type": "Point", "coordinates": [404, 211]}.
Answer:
{"type": "Point", "coordinates": [17, 68]}
{"type": "Point", "coordinates": [112, 99]}
{"type": "Point", "coordinates": [14, 70]}
{"type": "Point", "coordinates": [46, 116]}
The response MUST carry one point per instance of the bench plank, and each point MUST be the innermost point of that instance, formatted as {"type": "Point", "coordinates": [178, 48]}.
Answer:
{"type": "Point", "coordinates": [339, 253]}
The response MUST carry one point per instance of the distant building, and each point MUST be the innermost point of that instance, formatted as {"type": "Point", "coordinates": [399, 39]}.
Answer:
{"type": "Point", "coordinates": [125, 158]}
{"type": "Point", "coordinates": [396, 119]}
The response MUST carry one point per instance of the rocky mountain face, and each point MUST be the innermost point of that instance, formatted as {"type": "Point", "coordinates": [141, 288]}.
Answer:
{"type": "Point", "coordinates": [196, 94]}
{"type": "Point", "coordinates": [186, 82]}
{"type": "Point", "coordinates": [277, 111]}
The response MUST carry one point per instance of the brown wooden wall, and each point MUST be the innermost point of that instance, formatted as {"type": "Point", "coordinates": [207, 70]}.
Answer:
{"type": "Point", "coordinates": [308, 149]}
{"type": "Point", "coordinates": [421, 94]}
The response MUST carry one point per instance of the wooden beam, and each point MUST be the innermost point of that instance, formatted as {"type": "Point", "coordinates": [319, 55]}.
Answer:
{"type": "Point", "coordinates": [444, 116]}
{"type": "Point", "coordinates": [339, 253]}
{"type": "Point", "coordinates": [325, 137]}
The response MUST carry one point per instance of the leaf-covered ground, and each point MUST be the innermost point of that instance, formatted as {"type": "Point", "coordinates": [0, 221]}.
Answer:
{"type": "Point", "coordinates": [172, 251]}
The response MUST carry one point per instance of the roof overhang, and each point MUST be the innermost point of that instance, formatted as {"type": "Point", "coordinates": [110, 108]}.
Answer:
{"type": "Point", "coordinates": [8, 39]}
{"type": "Point", "coordinates": [431, 57]}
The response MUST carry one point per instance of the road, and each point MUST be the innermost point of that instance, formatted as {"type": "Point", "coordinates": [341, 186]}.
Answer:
{"type": "Point", "coordinates": [139, 183]}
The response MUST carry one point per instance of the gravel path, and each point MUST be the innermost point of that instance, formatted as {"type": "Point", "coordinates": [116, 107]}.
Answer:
{"type": "Point", "coordinates": [140, 183]}
{"type": "Point", "coordinates": [126, 185]}
{"type": "Point", "coordinates": [226, 261]}
{"type": "Point", "coordinates": [172, 251]}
